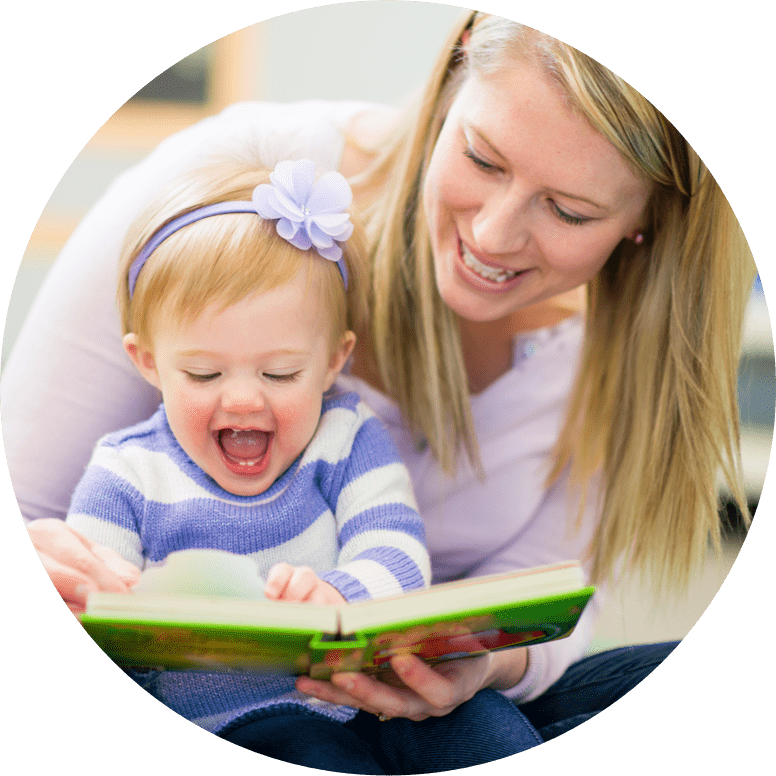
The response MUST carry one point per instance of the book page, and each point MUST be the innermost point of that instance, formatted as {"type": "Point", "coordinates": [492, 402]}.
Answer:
{"type": "Point", "coordinates": [204, 572]}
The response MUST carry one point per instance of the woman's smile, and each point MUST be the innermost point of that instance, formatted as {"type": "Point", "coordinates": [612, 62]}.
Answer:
{"type": "Point", "coordinates": [488, 276]}
{"type": "Point", "coordinates": [524, 200]}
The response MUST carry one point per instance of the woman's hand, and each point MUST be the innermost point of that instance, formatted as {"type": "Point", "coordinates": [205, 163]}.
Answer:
{"type": "Point", "coordinates": [416, 690]}
{"type": "Point", "coordinates": [78, 566]}
{"type": "Point", "coordinates": [300, 583]}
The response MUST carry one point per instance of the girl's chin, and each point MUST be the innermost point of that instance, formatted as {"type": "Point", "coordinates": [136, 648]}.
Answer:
{"type": "Point", "coordinates": [243, 486]}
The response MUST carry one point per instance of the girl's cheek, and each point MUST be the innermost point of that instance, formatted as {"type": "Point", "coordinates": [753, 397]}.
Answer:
{"type": "Point", "coordinates": [196, 410]}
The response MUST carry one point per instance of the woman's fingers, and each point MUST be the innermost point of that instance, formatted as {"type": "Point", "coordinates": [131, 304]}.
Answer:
{"type": "Point", "coordinates": [325, 691]}
{"type": "Point", "coordinates": [422, 692]}
{"type": "Point", "coordinates": [71, 585]}
{"type": "Point", "coordinates": [127, 572]}
{"type": "Point", "coordinates": [72, 562]}
{"type": "Point", "coordinates": [360, 691]}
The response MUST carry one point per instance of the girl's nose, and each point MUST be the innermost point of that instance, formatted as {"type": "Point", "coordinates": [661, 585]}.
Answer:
{"type": "Point", "coordinates": [243, 397]}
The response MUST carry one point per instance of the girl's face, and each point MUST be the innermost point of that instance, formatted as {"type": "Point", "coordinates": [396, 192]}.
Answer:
{"type": "Point", "coordinates": [524, 199]}
{"type": "Point", "coordinates": [242, 387]}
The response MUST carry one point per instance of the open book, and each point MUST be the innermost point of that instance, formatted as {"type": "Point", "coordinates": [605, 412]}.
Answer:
{"type": "Point", "coordinates": [167, 628]}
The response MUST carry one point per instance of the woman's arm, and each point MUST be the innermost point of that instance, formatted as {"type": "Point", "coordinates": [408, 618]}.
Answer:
{"type": "Point", "coordinates": [67, 381]}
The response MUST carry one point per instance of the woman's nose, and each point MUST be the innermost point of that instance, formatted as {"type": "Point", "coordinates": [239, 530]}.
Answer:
{"type": "Point", "coordinates": [502, 224]}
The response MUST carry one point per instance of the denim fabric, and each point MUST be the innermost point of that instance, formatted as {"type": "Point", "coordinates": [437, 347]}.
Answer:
{"type": "Point", "coordinates": [591, 685]}
{"type": "Point", "coordinates": [291, 733]}
{"type": "Point", "coordinates": [486, 728]}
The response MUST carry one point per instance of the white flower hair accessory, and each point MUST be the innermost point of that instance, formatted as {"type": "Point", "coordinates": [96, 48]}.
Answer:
{"type": "Point", "coordinates": [308, 214]}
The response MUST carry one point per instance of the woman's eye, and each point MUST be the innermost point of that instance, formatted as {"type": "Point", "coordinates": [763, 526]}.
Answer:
{"type": "Point", "coordinates": [202, 378]}
{"type": "Point", "coordinates": [478, 160]}
{"type": "Point", "coordinates": [282, 378]}
{"type": "Point", "coordinates": [568, 217]}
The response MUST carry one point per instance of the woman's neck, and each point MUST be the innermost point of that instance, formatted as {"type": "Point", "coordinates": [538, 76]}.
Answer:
{"type": "Point", "coordinates": [488, 346]}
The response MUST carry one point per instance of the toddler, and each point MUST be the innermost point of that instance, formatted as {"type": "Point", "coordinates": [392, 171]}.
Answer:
{"type": "Point", "coordinates": [238, 295]}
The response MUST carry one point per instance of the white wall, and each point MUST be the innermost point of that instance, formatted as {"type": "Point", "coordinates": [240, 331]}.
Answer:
{"type": "Point", "coordinates": [375, 51]}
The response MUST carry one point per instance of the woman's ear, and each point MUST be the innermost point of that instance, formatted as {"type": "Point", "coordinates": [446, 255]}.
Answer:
{"type": "Point", "coordinates": [338, 358]}
{"type": "Point", "coordinates": [142, 358]}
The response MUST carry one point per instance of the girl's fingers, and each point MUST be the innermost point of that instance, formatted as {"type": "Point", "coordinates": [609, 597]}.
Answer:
{"type": "Point", "coordinates": [324, 593]}
{"type": "Point", "coordinates": [302, 584]}
{"type": "Point", "coordinates": [289, 583]}
{"type": "Point", "coordinates": [277, 580]}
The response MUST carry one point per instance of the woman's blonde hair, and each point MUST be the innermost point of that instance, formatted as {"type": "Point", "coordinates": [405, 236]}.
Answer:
{"type": "Point", "coordinates": [654, 411]}
{"type": "Point", "coordinates": [222, 259]}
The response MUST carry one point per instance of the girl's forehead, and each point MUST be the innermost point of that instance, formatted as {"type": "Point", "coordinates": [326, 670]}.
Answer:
{"type": "Point", "coordinates": [291, 316]}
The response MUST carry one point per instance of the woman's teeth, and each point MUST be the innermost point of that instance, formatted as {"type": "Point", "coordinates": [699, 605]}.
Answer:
{"type": "Point", "coordinates": [488, 273]}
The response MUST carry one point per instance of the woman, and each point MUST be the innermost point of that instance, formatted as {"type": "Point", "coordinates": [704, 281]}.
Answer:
{"type": "Point", "coordinates": [538, 421]}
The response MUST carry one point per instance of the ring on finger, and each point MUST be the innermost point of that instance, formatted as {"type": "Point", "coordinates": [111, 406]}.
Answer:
{"type": "Point", "coordinates": [383, 717]}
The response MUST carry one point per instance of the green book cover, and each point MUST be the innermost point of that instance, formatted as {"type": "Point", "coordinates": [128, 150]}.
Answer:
{"type": "Point", "coordinates": [175, 630]}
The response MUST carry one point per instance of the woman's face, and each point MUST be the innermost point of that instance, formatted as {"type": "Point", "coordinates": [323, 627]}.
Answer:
{"type": "Point", "coordinates": [524, 200]}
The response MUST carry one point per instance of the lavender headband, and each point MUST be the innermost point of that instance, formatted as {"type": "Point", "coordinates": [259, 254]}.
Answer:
{"type": "Point", "coordinates": [308, 214]}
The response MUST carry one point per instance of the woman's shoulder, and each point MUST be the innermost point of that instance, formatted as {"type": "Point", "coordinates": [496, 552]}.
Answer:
{"type": "Point", "coordinates": [265, 132]}
{"type": "Point", "coordinates": [365, 133]}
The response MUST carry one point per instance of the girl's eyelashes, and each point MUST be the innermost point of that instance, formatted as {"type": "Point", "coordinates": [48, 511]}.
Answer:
{"type": "Point", "coordinates": [283, 378]}
{"type": "Point", "coordinates": [201, 378]}
{"type": "Point", "coordinates": [276, 378]}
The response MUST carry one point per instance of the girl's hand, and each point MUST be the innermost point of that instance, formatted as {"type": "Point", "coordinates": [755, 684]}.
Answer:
{"type": "Point", "coordinates": [78, 566]}
{"type": "Point", "coordinates": [299, 583]}
{"type": "Point", "coordinates": [415, 691]}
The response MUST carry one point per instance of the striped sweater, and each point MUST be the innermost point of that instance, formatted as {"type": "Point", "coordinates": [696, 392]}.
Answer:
{"type": "Point", "coordinates": [344, 507]}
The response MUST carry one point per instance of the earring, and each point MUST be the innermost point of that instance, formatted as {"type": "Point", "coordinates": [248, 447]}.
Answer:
{"type": "Point", "coordinates": [637, 237]}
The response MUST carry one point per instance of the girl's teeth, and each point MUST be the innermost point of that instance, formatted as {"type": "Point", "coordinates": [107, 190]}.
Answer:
{"type": "Point", "coordinates": [489, 273]}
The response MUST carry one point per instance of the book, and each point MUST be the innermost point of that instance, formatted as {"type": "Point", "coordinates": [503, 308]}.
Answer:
{"type": "Point", "coordinates": [168, 623]}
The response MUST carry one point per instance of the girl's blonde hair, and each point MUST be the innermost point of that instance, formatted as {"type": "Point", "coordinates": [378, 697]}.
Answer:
{"type": "Point", "coordinates": [654, 411]}
{"type": "Point", "coordinates": [223, 259]}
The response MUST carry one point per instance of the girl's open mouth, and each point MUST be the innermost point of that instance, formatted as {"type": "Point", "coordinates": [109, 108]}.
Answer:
{"type": "Point", "coordinates": [245, 451]}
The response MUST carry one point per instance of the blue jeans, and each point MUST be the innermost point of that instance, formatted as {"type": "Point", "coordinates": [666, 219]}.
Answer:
{"type": "Point", "coordinates": [486, 728]}
{"type": "Point", "coordinates": [591, 685]}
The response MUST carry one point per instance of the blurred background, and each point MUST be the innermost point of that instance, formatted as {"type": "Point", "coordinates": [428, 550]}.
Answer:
{"type": "Point", "coordinates": [349, 51]}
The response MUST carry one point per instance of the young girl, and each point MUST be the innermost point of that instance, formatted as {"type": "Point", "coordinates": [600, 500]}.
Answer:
{"type": "Point", "coordinates": [234, 304]}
